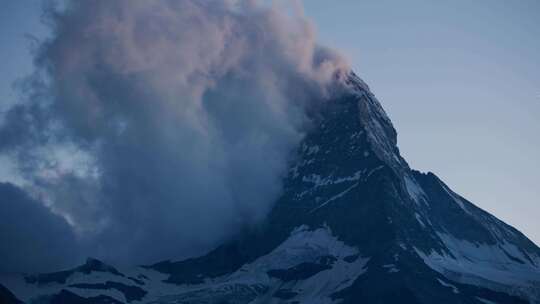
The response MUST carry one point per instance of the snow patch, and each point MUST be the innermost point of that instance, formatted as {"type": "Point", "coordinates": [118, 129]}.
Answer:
{"type": "Point", "coordinates": [485, 301]}
{"type": "Point", "coordinates": [303, 245]}
{"type": "Point", "coordinates": [414, 190]}
{"type": "Point", "coordinates": [419, 219]}
{"type": "Point", "coordinates": [330, 180]}
{"type": "Point", "coordinates": [333, 198]}
{"type": "Point", "coordinates": [391, 268]}
{"type": "Point", "coordinates": [484, 265]}
{"type": "Point", "coordinates": [443, 283]}
{"type": "Point", "coordinates": [455, 197]}
{"type": "Point", "coordinates": [313, 150]}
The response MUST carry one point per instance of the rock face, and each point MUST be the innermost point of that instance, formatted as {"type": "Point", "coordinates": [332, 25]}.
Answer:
{"type": "Point", "coordinates": [354, 225]}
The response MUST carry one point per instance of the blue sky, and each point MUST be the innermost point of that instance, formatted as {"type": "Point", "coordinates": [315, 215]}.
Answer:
{"type": "Point", "coordinates": [459, 79]}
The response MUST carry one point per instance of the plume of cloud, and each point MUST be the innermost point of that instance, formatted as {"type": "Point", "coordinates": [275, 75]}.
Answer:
{"type": "Point", "coordinates": [158, 128]}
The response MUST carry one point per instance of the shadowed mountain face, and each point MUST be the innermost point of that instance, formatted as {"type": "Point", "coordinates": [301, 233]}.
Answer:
{"type": "Point", "coordinates": [354, 224]}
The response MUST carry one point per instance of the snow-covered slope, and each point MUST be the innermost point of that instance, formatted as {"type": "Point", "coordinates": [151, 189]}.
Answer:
{"type": "Point", "coordinates": [354, 224]}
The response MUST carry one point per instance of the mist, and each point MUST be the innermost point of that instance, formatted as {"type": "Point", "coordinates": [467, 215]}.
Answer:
{"type": "Point", "coordinates": [157, 129]}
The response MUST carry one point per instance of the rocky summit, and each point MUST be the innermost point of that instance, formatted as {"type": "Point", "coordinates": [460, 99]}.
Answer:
{"type": "Point", "coordinates": [354, 224]}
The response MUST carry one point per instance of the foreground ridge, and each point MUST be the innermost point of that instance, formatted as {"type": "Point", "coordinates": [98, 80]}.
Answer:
{"type": "Point", "coordinates": [354, 224]}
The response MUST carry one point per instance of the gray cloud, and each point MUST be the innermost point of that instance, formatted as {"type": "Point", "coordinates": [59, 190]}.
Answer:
{"type": "Point", "coordinates": [159, 128]}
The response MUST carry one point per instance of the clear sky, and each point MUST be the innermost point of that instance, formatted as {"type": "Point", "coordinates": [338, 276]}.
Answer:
{"type": "Point", "coordinates": [459, 79]}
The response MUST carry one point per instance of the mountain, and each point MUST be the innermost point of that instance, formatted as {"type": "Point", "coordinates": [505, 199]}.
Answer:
{"type": "Point", "coordinates": [354, 224]}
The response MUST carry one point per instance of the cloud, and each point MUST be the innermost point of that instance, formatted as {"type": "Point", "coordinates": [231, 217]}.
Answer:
{"type": "Point", "coordinates": [157, 129]}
